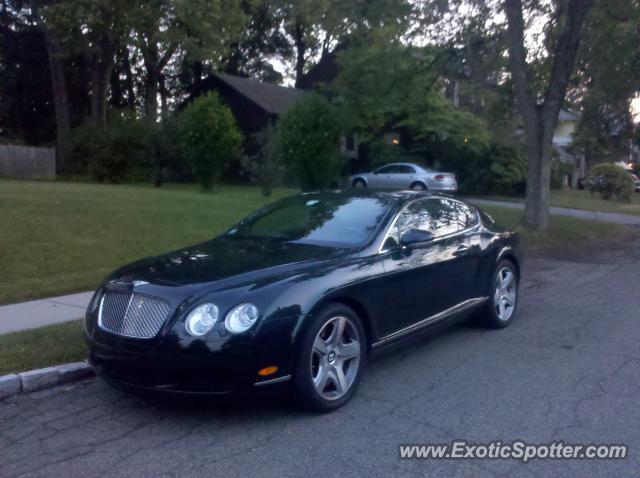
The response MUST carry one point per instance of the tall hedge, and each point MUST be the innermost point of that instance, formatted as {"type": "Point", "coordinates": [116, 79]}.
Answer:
{"type": "Point", "coordinates": [308, 141]}
{"type": "Point", "coordinates": [209, 138]}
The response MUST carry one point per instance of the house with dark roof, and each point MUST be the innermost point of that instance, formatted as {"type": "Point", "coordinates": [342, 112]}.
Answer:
{"type": "Point", "coordinates": [254, 104]}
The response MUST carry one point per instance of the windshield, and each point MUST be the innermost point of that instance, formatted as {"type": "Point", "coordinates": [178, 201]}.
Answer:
{"type": "Point", "coordinates": [335, 220]}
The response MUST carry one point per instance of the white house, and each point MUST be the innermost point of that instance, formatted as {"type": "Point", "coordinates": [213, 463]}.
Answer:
{"type": "Point", "coordinates": [566, 126]}
{"type": "Point", "coordinates": [562, 140]}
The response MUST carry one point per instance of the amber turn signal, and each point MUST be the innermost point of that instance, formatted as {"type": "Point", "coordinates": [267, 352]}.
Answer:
{"type": "Point", "coordinates": [263, 372]}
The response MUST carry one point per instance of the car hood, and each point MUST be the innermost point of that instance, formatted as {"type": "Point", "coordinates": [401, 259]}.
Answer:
{"type": "Point", "coordinates": [225, 260]}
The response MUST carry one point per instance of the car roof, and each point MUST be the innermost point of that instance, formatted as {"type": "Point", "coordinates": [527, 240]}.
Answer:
{"type": "Point", "coordinates": [397, 195]}
{"type": "Point", "coordinates": [402, 164]}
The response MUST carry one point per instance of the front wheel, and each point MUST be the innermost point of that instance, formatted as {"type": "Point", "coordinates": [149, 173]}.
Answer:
{"type": "Point", "coordinates": [331, 359]}
{"type": "Point", "coordinates": [359, 183]}
{"type": "Point", "coordinates": [503, 302]}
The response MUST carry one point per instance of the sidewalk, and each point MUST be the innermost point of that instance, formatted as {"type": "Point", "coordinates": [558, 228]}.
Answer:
{"type": "Point", "coordinates": [36, 313]}
{"type": "Point", "coordinates": [611, 217]}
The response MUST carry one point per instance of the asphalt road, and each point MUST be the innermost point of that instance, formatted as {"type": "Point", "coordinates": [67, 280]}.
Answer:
{"type": "Point", "coordinates": [568, 369]}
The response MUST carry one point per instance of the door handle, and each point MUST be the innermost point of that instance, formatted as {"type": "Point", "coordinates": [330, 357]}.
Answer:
{"type": "Point", "coordinates": [462, 249]}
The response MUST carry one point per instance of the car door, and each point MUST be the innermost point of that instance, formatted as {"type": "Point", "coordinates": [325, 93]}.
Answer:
{"type": "Point", "coordinates": [428, 278]}
{"type": "Point", "coordinates": [381, 177]}
{"type": "Point", "coordinates": [404, 177]}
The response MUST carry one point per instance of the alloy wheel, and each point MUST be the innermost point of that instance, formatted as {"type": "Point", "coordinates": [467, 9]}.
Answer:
{"type": "Point", "coordinates": [505, 296]}
{"type": "Point", "coordinates": [335, 358]}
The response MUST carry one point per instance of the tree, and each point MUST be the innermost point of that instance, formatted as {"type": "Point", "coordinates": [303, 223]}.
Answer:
{"type": "Point", "coordinates": [26, 110]}
{"type": "Point", "coordinates": [385, 84]}
{"type": "Point", "coordinates": [209, 138]}
{"type": "Point", "coordinates": [308, 138]}
{"type": "Point", "coordinates": [93, 29]}
{"type": "Point", "coordinates": [608, 68]}
{"type": "Point", "coordinates": [261, 40]}
{"type": "Point", "coordinates": [314, 27]}
{"type": "Point", "coordinates": [540, 117]}
{"type": "Point", "coordinates": [197, 29]}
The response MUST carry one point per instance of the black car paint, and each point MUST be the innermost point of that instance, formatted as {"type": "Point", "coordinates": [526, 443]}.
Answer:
{"type": "Point", "coordinates": [288, 282]}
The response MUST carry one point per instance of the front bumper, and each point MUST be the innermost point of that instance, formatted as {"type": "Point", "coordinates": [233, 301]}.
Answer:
{"type": "Point", "coordinates": [214, 366]}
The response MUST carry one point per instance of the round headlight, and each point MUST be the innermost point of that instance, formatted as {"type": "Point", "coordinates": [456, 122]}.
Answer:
{"type": "Point", "coordinates": [201, 319]}
{"type": "Point", "coordinates": [241, 318]}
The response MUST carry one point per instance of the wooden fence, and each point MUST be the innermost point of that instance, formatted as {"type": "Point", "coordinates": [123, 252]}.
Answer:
{"type": "Point", "coordinates": [26, 162]}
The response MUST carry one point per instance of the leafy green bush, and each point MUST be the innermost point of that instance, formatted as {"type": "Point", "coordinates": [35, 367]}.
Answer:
{"type": "Point", "coordinates": [500, 169]}
{"type": "Point", "coordinates": [169, 163]}
{"type": "Point", "coordinates": [113, 152]}
{"type": "Point", "coordinates": [209, 138]}
{"type": "Point", "coordinates": [264, 167]}
{"type": "Point", "coordinates": [609, 180]}
{"type": "Point", "coordinates": [308, 139]}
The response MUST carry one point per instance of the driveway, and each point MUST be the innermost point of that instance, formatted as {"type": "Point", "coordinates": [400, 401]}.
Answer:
{"type": "Point", "coordinates": [568, 370]}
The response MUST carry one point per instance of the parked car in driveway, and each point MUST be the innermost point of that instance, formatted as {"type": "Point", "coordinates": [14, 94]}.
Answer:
{"type": "Point", "coordinates": [300, 293]}
{"type": "Point", "coordinates": [405, 176]}
{"type": "Point", "coordinates": [636, 182]}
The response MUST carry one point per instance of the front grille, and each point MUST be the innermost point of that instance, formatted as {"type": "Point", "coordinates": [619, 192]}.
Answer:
{"type": "Point", "coordinates": [132, 315]}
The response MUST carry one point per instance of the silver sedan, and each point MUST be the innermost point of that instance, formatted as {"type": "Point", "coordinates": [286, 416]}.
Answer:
{"type": "Point", "coordinates": [405, 176]}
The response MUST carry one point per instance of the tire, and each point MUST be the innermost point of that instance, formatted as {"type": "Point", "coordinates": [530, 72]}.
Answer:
{"type": "Point", "coordinates": [418, 186]}
{"type": "Point", "coordinates": [502, 305]}
{"type": "Point", "coordinates": [359, 183]}
{"type": "Point", "coordinates": [317, 384]}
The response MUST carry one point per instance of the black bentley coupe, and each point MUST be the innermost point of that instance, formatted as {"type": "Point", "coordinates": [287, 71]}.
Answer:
{"type": "Point", "coordinates": [299, 294]}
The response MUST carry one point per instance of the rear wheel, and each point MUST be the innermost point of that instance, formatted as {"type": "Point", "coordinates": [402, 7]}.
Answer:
{"type": "Point", "coordinates": [503, 302]}
{"type": "Point", "coordinates": [331, 359]}
{"type": "Point", "coordinates": [359, 183]}
{"type": "Point", "coordinates": [418, 186]}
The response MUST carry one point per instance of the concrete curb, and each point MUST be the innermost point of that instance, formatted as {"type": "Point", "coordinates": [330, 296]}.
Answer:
{"type": "Point", "coordinates": [40, 379]}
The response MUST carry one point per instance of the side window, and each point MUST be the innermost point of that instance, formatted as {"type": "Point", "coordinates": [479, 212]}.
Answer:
{"type": "Point", "coordinates": [418, 215]}
{"type": "Point", "coordinates": [406, 169]}
{"type": "Point", "coordinates": [386, 170]}
{"type": "Point", "coordinates": [471, 215]}
{"type": "Point", "coordinates": [454, 216]}
{"type": "Point", "coordinates": [440, 217]}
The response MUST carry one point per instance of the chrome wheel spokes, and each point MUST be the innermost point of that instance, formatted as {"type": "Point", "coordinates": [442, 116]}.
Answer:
{"type": "Point", "coordinates": [335, 358]}
{"type": "Point", "coordinates": [505, 295]}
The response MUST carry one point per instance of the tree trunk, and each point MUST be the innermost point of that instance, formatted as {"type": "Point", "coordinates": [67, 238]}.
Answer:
{"type": "Point", "coordinates": [301, 51]}
{"type": "Point", "coordinates": [126, 64]}
{"type": "Point", "coordinates": [539, 147]}
{"type": "Point", "coordinates": [102, 65]}
{"type": "Point", "coordinates": [164, 97]}
{"type": "Point", "coordinates": [117, 97]}
{"type": "Point", "coordinates": [540, 118]}
{"type": "Point", "coordinates": [60, 100]}
{"type": "Point", "coordinates": [151, 95]}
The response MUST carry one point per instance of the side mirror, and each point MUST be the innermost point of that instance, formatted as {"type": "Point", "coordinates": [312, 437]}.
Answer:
{"type": "Point", "coordinates": [375, 172]}
{"type": "Point", "coordinates": [415, 236]}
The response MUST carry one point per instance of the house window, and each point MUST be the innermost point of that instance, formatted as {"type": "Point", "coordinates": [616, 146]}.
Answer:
{"type": "Point", "coordinates": [392, 138]}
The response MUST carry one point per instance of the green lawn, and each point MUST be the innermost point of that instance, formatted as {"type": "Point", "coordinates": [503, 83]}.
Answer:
{"type": "Point", "coordinates": [578, 199]}
{"type": "Point", "coordinates": [42, 347]}
{"type": "Point", "coordinates": [593, 202]}
{"type": "Point", "coordinates": [60, 237]}
{"type": "Point", "coordinates": [563, 232]}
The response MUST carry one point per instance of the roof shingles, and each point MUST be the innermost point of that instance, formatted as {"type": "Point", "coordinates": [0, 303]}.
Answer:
{"type": "Point", "coordinates": [274, 99]}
